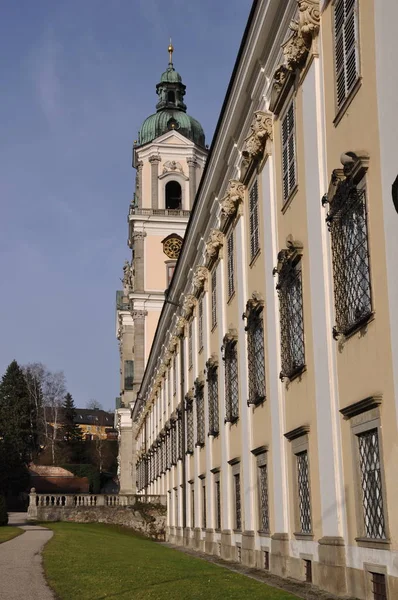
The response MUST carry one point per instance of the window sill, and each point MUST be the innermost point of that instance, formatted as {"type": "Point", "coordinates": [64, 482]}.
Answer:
{"type": "Point", "coordinates": [254, 259]}
{"type": "Point", "coordinates": [349, 333]}
{"type": "Point", "coordinates": [189, 452]}
{"type": "Point", "coordinates": [263, 533]}
{"type": "Point", "coordinates": [373, 543]}
{"type": "Point", "coordinates": [258, 402]}
{"type": "Point", "coordinates": [232, 421]}
{"type": "Point", "coordinates": [289, 199]}
{"type": "Point", "coordinates": [237, 530]}
{"type": "Point", "coordinates": [303, 536]}
{"type": "Point", "coordinates": [343, 108]}
{"type": "Point", "coordinates": [200, 445]}
{"type": "Point", "coordinates": [214, 434]}
{"type": "Point", "coordinates": [294, 374]}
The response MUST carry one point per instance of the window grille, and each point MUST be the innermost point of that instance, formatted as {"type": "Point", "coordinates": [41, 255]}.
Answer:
{"type": "Point", "coordinates": [176, 507]}
{"type": "Point", "coordinates": [157, 460]}
{"type": "Point", "coordinates": [347, 223]}
{"type": "Point", "coordinates": [192, 506]}
{"type": "Point", "coordinates": [204, 520]}
{"type": "Point", "coordinates": [289, 151]}
{"type": "Point", "coordinates": [346, 47]}
{"type": "Point", "coordinates": [253, 221]}
{"type": "Point", "coordinates": [174, 443]}
{"type": "Point", "coordinates": [372, 492]}
{"type": "Point", "coordinates": [304, 492]}
{"type": "Point", "coordinates": [163, 442]}
{"type": "Point", "coordinates": [218, 505]}
{"type": "Point", "coordinates": [200, 413]}
{"type": "Point", "coordinates": [238, 508]}
{"type": "Point", "coordinates": [230, 264]}
{"type": "Point", "coordinates": [212, 389]}
{"type": "Point", "coordinates": [290, 293]}
{"type": "Point", "coordinates": [264, 508]}
{"type": "Point", "coordinates": [180, 436]}
{"type": "Point", "coordinates": [200, 323]}
{"type": "Point", "coordinates": [190, 425]}
{"type": "Point", "coordinates": [379, 587]}
{"type": "Point", "coordinates": [174, 375]}
{"type": "Point", "coordinates": [168, 450]}
{"type": "Point", "coordinates": [190, 351]}
{"type": "Point", "coordinates": [255, 349]}
{"type": "Point", "coordinates": [231, 378]}
{"type": "Point", "coordinates": [214, 298]}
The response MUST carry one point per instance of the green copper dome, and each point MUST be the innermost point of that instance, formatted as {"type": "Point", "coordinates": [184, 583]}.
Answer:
{"type": "Point", "coordinates": [171, 111]}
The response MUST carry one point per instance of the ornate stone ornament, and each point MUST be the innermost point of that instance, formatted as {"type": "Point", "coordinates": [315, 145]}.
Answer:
{"type": "Point", "coordinates": [214, 243]}
{"type": "Point", "coordinates": [127, 276]}
{"type": "Point", "coordinates": [212, 362]}
{"type": "Point", "coordinates": [173, 343]}
{"type": "Point", "coordinates": [254, 304]}
{"type": "Point", "coordinates": [304, 31]}
{"type": "Point", "coordinates": [261, 130]}
{"type": "Point", "coordinates": [309, 19]}
{"type": "Point", "coordinates": [234, 196]}
{"type": "Point", "coordinates": [189, 305]}
{"type": "Point", "coordinates": [172, 165]}
{"type": "Point", "coordinates": [172, 246]}
{"type": "Point", "coordinates": [199, 279]}
{"type": "Point", "coordinates": [138, 314]}
{"type": "Point", "coordinates": [181, 325]}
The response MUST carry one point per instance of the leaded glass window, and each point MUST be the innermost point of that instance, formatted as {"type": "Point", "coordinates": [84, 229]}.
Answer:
{"type": "Point", "coordinates": [253, 220]}
{"type": "Point", "coordinates": [347, 223]}
{"type": "Point", "coordinates": [190, 425]}
{"type": "Point", "coordinates": [214, 298]}
{"type": "Point", "coordinates": [231, 377]}
{"type": "Point", "coordinates": [200, 413]}
{"type": "Point", "coordinates": [190, 346]}
{"type": "Point", "coordinates": [174, 443]}
{"type": "Point", "coordinates": [212, 390]}
{"type": "Point", "coordinates": [255, 349]}
{"type": "Point", "coordinates": [290, 293]}
{"type": "Point", "coordinates": [174, 375]}
{"type": "Point", "coordinates": [346, 38]}
{"type": "Point", "coordinates": [200, 323]}
{"type": "Point", "coordinates": [263, 497]}
{"type": "Point", "coordinates": [238, 507]}
{"type": "Point", "coordinates": [230, 264]}
{"type": "Point", "coordinates": [180, 436]}
{"type": "Point", "coordinates": [371, 484]}
{"type": "Point", "coordinates": [289, 167]}
{"type": "Point", "coordinates": [304, 499]}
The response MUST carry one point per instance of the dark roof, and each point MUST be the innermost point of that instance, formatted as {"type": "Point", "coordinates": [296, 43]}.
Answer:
{"type": "Point", "coordinates": [85, 416]}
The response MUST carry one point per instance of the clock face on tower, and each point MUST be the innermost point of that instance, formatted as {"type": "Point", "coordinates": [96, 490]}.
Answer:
{"type": "Point", "coordinates": [172, 246]}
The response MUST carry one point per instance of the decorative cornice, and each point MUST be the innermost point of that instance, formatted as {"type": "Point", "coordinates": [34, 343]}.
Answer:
{"type": "Point", "coordinates": [230, 337]}
{"type": "Point", "coordinates": [199, 279]}
{"type": "Point", "coordinates": [214, 243]}
{"type": "Point", "coordinates": [255, 304]}
{"type": "Point", "coordinates": [189, 305]}
{"type": "Point", "coordinates": [360, 407]}
{"type": "Point", "coordinates": [298, 432]}
{"type": "Point", "coordinates": [233, 198]}
{"type": "Point", "coordinates": [260, 132]}
{"type": "Point", "coordinates": [259, 450]}
{"type": "Point", "coordinates": [212, 362]}
{"type": "Point", "coordinates": [290, 254]}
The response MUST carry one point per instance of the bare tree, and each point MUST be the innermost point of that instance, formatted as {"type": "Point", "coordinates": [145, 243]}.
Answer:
{"type": "Point", "coordinates": [94, 405]}
{"type": "Point", "coordinates": [53, 387]}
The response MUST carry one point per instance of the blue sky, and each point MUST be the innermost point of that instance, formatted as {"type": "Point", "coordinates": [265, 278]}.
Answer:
{"type": "Point", "coordinates": [77, 79]}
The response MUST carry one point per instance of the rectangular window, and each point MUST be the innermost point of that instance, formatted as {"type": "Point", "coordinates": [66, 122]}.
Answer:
{"type": "Point", "coordinates": [347, 223]}
{"type": "Point", "coordinates": [291, 313]}
{"type": "Point", "coordinates": [174, 443]}
{"type": "Point", "coordinates": [192, 505]}
{"type": "Point", "coordinates": [200, 413]}
{"type": "Point", "coordinates": [289, 167]}
{"type": "Point", "coordinates": [212, 383]}
{"type": "Point", "coordinates": [174, 375]}
{"type": "Point", "coordinates": [204, 520]}
{"type": "Point", "coordinates": [253, 220]}
{"type": "Point", "coordinates": [190, 426]}
{"type": "Point", "coordinates": [218, 501]}
{"type": "Point", "coordinates": [200, 324]}
{"type": "Point", "coordinates": [190, 344]}
{"type": "Point", "coordinates": [179, 426]}
{"type": "Point", "coordinates": [176, 507]}
{"type": "Point", "coordinates": [371, 484]}
{"type": "Point", "coordinates": [303, 488]}
{"type": "Point", "coordinates": [128, 374]}
{"type": "Point", "coordinates": [379, 587]}
{"type": "Point", "coordinates": [346, 47]}
{"type": "Point", "coordinates": [230, 264]}
{"type": "Point", "coordinates": [255, 350]}
{"type": "Point", "coordinates": [263, 497]}
{"type": "Point", "coordinates": [231, 380]}
{"type": "Point", "coordinates": [214, 299]}
{"type": "Point", "coordinates": [238, 507]}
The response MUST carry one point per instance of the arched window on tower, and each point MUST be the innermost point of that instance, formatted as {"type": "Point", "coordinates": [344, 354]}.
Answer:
{"type": "Point", "coordinates": [173, 196]}
{"type": "Point", "coordinates": [171, 96]}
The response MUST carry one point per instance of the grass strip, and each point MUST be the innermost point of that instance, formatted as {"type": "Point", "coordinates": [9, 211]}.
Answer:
{"type": "Point", "coordinates": [8, 532]}
{"type": "Point", "coordinates": [98, 562]}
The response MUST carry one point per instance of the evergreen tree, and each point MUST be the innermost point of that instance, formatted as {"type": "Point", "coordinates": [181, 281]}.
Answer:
{"type": "Point", "coordinates": [16, 440]}
{"type": "Point", "coordinates": [72, 437]}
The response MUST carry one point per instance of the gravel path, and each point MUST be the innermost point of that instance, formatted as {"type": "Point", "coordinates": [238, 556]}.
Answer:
{"type": "Point", "coordinates": [21, 571]}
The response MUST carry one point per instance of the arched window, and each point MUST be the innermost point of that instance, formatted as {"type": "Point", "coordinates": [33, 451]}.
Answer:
{"type": "Point", "coordinates": [171, 97]}
{"type": "Point", "coordinates": [173, 196]}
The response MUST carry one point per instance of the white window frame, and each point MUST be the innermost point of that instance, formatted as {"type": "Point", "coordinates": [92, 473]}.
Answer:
{"type": "Point", "coordinates": [341, 35]}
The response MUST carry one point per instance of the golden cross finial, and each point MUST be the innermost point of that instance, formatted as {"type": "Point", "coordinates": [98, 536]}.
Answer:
{"type": "Point", "coordinates": [171, 50]}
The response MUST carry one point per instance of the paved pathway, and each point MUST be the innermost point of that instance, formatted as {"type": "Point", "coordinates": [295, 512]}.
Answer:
{"type": "Point", "coordinates": [21, 571]}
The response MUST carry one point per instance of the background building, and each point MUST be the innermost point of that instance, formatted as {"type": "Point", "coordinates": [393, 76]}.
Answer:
{"type": "Point", "coordinates": [268, 408]}
{"type": "Point", "coordinates": [169, 157]}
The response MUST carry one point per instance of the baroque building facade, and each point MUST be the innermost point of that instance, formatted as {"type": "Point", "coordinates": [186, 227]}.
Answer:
{"type": "Point", "coordinates": [267, 412]}
{"type": "Point", "coordinates": [169, 157]}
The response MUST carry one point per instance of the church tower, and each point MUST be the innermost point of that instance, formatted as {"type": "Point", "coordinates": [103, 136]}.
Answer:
{"type": "Point", "coordinates": [169, 157]}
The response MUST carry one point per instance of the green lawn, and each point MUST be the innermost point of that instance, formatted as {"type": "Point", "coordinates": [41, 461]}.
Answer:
{"type": "Point", "coordinates": [98, 562]}
{"type": "Point", "coordinates": [7, 533]}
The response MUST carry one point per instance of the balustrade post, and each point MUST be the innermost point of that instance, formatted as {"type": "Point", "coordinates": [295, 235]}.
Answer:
{"type": "Point", "coordinates": [32, 509]}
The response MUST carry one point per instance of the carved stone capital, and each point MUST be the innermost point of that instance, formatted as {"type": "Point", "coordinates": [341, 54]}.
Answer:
{"type": "Point", "coordinates": [140, 165]}
{"type": "Point", "coordinates": [234, 196]}
{"type": "Point", "coordinates": [191, 161]}
{"type": "Point", "coordinates": [260, 132]}
{"type": "Point", "coordinates": [214, 243]}
{"type": "Point", "coordinates": [154, 158]}
{"type": "Point", "coordinates": [200, 278]}
{"type": "Point", "coordinates": [138, 314]}
{"type": "Point", "coordinates": [189, 305]}
{"type": "Point", "coordinates": [309, 19]}
{"type": "Point", "coordinates": [138, 235]}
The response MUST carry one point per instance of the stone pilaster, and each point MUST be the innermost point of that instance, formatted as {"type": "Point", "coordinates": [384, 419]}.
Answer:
{"type": "Point", "coordinates": [139, 280]}
{"type": "Point", "coordinates": [138, 189]}
{"type": "Point", "coordinates": [192, 165]}
{"type": "Point", "coordinates": [125, 457]}
{"type": "Point", "coordinates": [154, 160]}
{"type": "Point", "coordinates": [139, 347]}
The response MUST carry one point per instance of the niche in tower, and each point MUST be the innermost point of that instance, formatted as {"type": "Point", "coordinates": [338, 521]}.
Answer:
{"type": "Point", "coordinates": [173, 196]}
{"type": "Point", "coordinates": [171, 97]}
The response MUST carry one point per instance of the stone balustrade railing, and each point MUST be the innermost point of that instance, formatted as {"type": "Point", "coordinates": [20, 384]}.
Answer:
{"type": "Point", "coordinates": [60, 501]}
